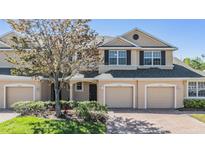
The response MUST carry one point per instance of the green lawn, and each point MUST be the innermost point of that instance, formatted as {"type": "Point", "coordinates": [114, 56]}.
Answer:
{"type": "Point", "coordinates": [35, 125]}
{"type": "Point", "coordinates": [200, 117]}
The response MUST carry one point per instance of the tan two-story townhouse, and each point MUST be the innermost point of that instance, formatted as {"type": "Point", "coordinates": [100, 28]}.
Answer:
{"type": "Point", "coordinates": [138, 71]}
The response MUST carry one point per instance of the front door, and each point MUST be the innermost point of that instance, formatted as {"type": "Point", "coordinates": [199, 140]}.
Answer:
{"type": "Point", "coordinates": [53, 93]}
{"type": "Point", "coordinates": [92, 92]}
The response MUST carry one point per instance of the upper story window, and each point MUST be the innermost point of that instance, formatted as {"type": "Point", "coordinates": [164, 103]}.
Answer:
{"type": "Point", "coordinates": [117, 57]}
{"type": "Point", "coordinates": [152, 58]}
{"type": "Point", "coordinates": [196, 89]}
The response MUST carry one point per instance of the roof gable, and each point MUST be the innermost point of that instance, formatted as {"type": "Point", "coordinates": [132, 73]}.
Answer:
{"type": "Point", "coordinates": [119, 42]}
{"type": "Point", "coordinates": [145, 39]}
{"type": "Point", "coordinates": [4, 45]}
{"type": "Point", "coordinates": [6, 38]}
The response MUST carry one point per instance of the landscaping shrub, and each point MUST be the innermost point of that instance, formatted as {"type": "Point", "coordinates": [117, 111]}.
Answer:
{"type": "Point", "coordinates": [30, 107]}
{"type": "Point", "coordinates": [65, 105]}
{"type": "Point", "coordinates": [194, 103]}
{"type": "Point", "coordinates": [91, 111]}
{"type": "Point", "coordinates": [86, 110]}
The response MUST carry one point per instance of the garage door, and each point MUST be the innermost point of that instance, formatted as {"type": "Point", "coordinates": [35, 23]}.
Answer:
{"type": "Point", "coordinates": [14, 94]}
{"type": "Point", "coordinates": [119, 97]}
{"type": "Point", "coordinates": [160, 97]}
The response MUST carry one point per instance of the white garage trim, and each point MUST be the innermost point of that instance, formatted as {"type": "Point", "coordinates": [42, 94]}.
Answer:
{"type": "Point", "coordinates": [18, 85]}
{"type": "Point", "coordinates": [119, 85]}
{"type": "Point", "coordinates": [161, 85]}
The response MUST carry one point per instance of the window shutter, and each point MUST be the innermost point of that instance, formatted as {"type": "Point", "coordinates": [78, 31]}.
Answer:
{"type": "Point", "coordinates": [141, 57]}
{"type": "Point", "coordinates": [163, 57]}
{"type": "Point", "coordinates": [106, 57]}
{"type": "Point", "coordinates": [128, 57]}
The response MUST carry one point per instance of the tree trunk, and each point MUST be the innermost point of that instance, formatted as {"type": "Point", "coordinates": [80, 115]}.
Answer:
{"type": "Point", "coordinates": [57, 99]}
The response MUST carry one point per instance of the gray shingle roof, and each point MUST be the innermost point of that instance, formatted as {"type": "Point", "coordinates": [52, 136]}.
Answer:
{"type": "Point", "coordinates": [177, 72]}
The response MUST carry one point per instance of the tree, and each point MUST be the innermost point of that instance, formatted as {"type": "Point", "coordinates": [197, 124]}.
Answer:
{"type": "Point", "coordinates": [196, 63]}
{"type": "Point", "coordinates": [187, 61]}
{"type": "Point", "coordinates": [55, 49]}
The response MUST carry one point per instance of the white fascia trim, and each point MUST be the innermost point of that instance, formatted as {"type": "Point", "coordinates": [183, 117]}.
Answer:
{"type": "Point", "coordinates": [6, 49]}
{"type": "Point", "coordinates": [7, 33]}
{"type": "Point", "coordinates": [4, 43]}
{"type": "Point", "coordinates": [19, 85]}
{"type": "Point", "coordinates": [160, 85]}
{"type": "Point", "coordinates": [127, 41]}
{"type": "Point", "coordinates": [7, 67]}
{"type": "Point", "coordinates": [151, 36]}
{"type": "Point", "coordinates": [114, 48]}
{"type": "Point", "coordinates": [136, 79]}
{"type": "Point", "coordinates": [119, 37]}
{"type": "Point", "coordinates": [145, 79]}
{"type": "Point", "coordinates": [119, 85]}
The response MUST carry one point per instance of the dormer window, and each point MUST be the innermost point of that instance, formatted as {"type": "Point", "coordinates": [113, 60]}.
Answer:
{"type": "Point", "coordinates": [117, 57]}
{"type": "Point", "coordinates": [152, 58]}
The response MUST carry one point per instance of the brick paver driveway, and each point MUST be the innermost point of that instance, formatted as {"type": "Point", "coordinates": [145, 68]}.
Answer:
{"type": "Point", "coordinates": [6, 115]}
{"type": "Point", "coordinates": [154, 122]}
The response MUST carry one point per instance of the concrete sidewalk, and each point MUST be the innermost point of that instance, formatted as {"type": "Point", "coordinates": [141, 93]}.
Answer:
{"type": "Point", "coordinates": [7, 115]}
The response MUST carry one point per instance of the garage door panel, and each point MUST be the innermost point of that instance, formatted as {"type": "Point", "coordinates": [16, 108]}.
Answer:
{"type": "Point", "coordinates": [15, 94]}
{"type": "Point", "coordinates": [160, 97]}
{"type": "Point", "coordinates": [119, 97]}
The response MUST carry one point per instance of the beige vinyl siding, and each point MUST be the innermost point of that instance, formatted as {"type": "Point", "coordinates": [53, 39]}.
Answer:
{"type": "Point", "coordinates": [135, 62]}
{"type": "Point", "coordinates": [118, 42]}
{"type": "Point", "coordinates": [81, 95]}
{"type": "Point", "coordinates": [3, 62]}
{"type": "Point", "coordinates": [169, 57]}
{"type": "Point", "coordinates": [65, 92]}
{"type": "Point", "coordinates": [143, 40]}
{"type": "Point", "coordinates": [45, 90]}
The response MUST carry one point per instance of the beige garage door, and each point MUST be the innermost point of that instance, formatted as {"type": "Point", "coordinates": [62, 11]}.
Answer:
{"type": "Point", "coordinates": [160, 97]}
{"type": "Point", "coordinates": [119, 97]}
{"type": "Point", "coordinates": [14, 94]}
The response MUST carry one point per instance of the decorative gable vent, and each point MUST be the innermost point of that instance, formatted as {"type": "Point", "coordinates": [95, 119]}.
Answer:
{"type": "Point", "coordinates": [135, 37]}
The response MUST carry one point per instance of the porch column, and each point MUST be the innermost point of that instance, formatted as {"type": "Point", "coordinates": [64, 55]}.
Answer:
{"type": "Point", "coordinates": [71, 91]}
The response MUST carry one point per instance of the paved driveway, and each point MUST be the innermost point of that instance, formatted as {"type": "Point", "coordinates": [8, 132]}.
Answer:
{"type": "Point", "coordinates": [154, 122]}
{"type": "Point", "coordinates": [6, 115]}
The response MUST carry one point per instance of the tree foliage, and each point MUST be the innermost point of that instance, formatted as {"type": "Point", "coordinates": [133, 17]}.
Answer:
{"type": "Point", "coordinates": [197, 63]}
{"type": "Point", "coordinates": [57, 49]}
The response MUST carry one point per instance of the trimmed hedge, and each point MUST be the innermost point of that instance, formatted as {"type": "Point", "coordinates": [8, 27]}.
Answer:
{"type": "Point", "coordinates": [30, 107]}
{"type": "Point", "coordinates": [194, 103]}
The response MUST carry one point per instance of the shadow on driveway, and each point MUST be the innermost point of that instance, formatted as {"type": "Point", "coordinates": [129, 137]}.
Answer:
{"type": "Point", "coordinates": [119, 125]}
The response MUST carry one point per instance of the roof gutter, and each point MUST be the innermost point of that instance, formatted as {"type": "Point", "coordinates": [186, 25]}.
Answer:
{"type": "Point", "coordinates": [137, 48]}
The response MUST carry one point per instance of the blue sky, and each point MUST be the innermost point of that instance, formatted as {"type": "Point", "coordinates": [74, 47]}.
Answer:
{"type": "Point", "coordinates": [187, 35]}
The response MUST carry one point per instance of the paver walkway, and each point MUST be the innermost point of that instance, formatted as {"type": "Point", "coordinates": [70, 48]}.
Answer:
{"type": "Point", "coordinates": [154, 122]}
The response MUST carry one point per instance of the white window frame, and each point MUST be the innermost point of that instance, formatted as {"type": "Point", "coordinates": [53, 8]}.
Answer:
{"type": "Point", "coordinates": [152, 58]}
{"type": "Point", "coordinates": [81, 90]}
{"type": "Point", "coordinates": [117, 58]}
{"type": "Point", "coordinates": [197, 90]}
